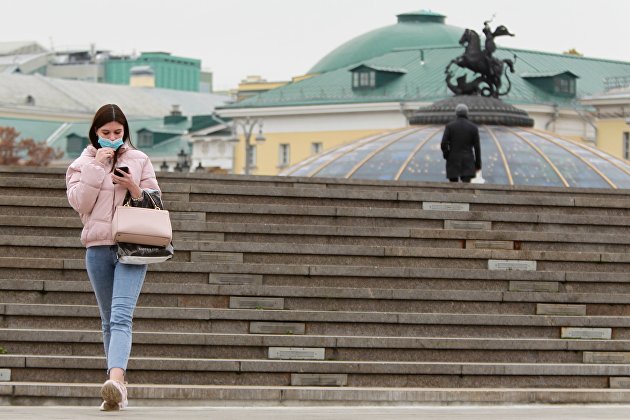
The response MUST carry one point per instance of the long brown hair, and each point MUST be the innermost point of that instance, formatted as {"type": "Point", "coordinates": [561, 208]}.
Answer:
{"type": "Point", "coordinates": [106, 114]}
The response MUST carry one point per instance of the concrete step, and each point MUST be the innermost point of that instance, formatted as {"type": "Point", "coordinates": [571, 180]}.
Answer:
{"type": "Point", "coordinates": [287, 253]}
{"type": "Point", "coordinates": [47, 226]}
{"type": "Point", "coordinates": [253, 285]}
{"type": "Point", "coordinates": [202, 272]}
{"type": "Point", "coordinates": [326, 298]}
{"type": "Point", "coordinates": [340, 348]}
{"type": "Point", "coordinates": [294, 194]}
{"type": "Point", "coordinates": [157, 370]}
{"type": "Point", "coordinates": [331, 183]}
{"type": "Point", "coordinates": [359, 323]}
{"type": "Point", "coordinates": [341, 215]}
{"type": "Point", "coordinates": [412, 265]}
{"type": "Point", "coordinates": [88, 394]}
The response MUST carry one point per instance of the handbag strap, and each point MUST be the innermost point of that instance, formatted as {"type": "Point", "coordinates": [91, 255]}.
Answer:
{"type": "Point", "coordinates": [128, 199]}
{"type": "Point", "coordinates": [155, 206]}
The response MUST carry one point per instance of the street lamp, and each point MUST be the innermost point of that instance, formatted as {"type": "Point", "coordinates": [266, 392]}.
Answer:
{"type": "Point", "coordinates": [183, 165]}
{"type": "Point", "coordinates": [247, 126]}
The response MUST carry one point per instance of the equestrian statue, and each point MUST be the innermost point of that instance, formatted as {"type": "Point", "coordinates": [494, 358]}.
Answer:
{"type": "Point", "coordinates": [489, 69]}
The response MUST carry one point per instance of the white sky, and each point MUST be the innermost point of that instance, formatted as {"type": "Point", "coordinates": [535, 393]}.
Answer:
{"type": "Point", "coordinates": [278, 39]}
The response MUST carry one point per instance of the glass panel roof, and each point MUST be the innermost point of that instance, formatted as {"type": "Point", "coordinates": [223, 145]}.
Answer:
{"type": "Point", "coordinates": [527, 166]}
{"type": "Point", "coordinates": [427, 164]}
{"type": "Point", "coordinates": [602, 162]}
{"type": "Point", "coordinates": [493, 167]}
{"type": "Point", "coordinates": [573, 169]}
{"type": "Point", "coordinates": [385, 165]}
{"type": "Point", "coordinates": [533, 158]}
{"type": "Point", "coordinates": [347, 162]}
{"type": "Point", "coordinates": [315, 162]}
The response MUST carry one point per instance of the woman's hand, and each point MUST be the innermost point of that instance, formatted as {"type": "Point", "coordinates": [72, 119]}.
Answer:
{"type": "Point", "coordinates": [104, 154]}
{"type": "Point", "coordinates": [127, 181]}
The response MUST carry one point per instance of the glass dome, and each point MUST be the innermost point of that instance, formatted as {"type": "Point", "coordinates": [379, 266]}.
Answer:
{"type": "Point", "coordinates": [510, 156]}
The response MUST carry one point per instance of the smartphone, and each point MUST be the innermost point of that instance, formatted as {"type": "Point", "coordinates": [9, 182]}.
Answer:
{"type": "Point", "coordinates": [119, 171]}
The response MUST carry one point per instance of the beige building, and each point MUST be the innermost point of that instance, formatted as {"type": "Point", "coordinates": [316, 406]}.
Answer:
{"type": "Point", "coordinates": [254, 85]}
{"type": "Point", "coordinates": [373, 82]}
{"type": "Point", "coordinates": [612, 110]}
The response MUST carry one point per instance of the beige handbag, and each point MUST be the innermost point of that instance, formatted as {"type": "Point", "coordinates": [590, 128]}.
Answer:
{"type": "Point", "coordinates": [138, 225]}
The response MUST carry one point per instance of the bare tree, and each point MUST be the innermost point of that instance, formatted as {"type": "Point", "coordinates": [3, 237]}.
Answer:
{"type": "Point", "coordinates": [26, 152]}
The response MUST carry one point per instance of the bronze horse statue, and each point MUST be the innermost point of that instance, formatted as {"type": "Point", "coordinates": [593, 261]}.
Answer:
{"type": "Point", "coordinates": [490, 69]}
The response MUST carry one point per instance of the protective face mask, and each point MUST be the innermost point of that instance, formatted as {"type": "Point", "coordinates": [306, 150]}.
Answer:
{"type": "Point", "coordinates": [112, 144]}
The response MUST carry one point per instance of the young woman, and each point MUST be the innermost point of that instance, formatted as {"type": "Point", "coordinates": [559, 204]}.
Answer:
{"type": "Point", "coordinates": [95, 186]}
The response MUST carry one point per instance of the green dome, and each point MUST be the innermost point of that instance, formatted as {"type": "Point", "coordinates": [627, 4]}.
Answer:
{"type": "Point", "coordinates": [417, 29]}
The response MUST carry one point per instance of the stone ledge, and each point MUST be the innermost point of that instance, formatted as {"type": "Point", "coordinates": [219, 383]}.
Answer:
{"type": "Point", "coordinates": [534, 292]}
{"type": "Point", "coordinates": [338, 367]}
{"type": "Point", "coordinates": [200, 248]}
{"type": "Point", "coordinates": [329, 316]}
{"type": "Point", "coordinates": [291, 192]}
{"type": "Point", "coordinates": [186, 210]}
{"type": "Point", "coordinates": [332, 183]}
{"type": "Point", "coordinates": [327, 341]}
{"type": "Point", "coordinates": [217, 395]}
{"type": "Point", "coordinates": [489, 199]}
{"type": "Point", "coordinates": [183, 228]}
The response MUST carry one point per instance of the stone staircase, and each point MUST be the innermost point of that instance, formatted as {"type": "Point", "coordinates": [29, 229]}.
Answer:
{"type": "Point", "coordinates": [320, 291]}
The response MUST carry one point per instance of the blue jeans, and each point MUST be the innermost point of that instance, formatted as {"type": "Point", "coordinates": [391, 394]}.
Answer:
{"type": "Point", "coordinates": [117, 287]}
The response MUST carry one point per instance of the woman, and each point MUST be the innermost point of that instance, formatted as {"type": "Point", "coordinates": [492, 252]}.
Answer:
{"type": "Point", "coordinates": [94, 190]}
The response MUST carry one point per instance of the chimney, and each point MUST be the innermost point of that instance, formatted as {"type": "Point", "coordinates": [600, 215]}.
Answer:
{"type": "Point", "coordinates": [175, 111]}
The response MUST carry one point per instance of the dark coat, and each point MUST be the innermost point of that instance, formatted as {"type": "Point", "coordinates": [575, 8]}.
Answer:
{"type": "Point", "coordinates": [460, 147]}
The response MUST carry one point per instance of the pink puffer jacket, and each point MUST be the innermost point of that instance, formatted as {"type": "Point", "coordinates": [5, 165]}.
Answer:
{"type": "Point", "coordinates": [92, 193]}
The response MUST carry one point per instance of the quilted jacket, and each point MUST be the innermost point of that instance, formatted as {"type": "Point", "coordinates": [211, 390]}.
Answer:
{"type": "Point", "coordinates": [94, 196]}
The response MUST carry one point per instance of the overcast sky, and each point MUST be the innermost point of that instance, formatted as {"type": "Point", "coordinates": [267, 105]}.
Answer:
{"type": "Point", "coordinates": [278, 39]}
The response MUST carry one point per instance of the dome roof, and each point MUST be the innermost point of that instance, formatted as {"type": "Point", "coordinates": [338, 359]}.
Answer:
{"type": "Point", "coordinates": [510, 156]}
{"type": "Point", "coordinates": [416, 29]}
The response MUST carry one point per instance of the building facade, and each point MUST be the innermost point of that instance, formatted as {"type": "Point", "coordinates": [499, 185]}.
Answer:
{"type": "Point", "coordinates": [612, 110]}
{"type": "Point", "coordinates": [170, 72]}
{"type": "Point", "coordinates": [101, 66]}
{"type": "Point", "coordinates": [373, 82]}
{"type": "Point", "coordinates": [59, 112]}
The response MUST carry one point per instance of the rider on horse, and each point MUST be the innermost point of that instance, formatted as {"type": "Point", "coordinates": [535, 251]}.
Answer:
{"type": "Point", "coordinates": [482, 62]}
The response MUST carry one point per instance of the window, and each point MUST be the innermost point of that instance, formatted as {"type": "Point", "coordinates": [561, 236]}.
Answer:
{"type": "Point", "coordinates": [316, 148]}
{"type": "Point", "coordinates": [75, 145]}
{"type": "Point", "coordinates": [364, 79]}
{"type": "Point", "coordinates": [565, 86]}
{"type": "Point", "coordinates": [145, 139]}
{"type": "Point", "coordinates": [626, 146]}
{"type": "Point", "coordinates": [284, 154]}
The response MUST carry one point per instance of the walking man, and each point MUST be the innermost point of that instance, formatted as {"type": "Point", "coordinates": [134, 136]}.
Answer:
{"type": "Point", "coordinates": [460, 147]}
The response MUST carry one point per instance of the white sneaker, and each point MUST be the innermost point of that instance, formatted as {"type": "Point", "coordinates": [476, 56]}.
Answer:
{"type": "Point", "coordinates": [114, 395]}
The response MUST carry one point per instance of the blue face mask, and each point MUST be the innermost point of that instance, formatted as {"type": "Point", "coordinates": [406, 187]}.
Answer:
{"type": "Point", "coordinates": [112, 144]}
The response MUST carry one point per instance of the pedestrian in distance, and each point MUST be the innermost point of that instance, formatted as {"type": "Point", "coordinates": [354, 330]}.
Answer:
{"type": "Point", "coordinates": [98, 181]}
{"type": "Point", "coordinates": [460, 147]}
